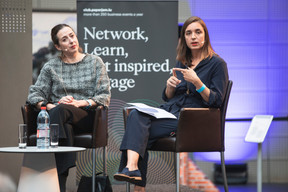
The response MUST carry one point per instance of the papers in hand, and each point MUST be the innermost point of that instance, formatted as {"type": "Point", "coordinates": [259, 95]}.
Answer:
{"type": "Point", "coordinates": [153, 111]}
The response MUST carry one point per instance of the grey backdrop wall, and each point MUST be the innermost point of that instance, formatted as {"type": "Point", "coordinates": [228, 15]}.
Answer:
{"type": "Point", "coordinates": [15, 76]}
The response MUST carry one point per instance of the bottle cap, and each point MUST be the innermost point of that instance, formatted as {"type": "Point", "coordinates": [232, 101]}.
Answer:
{"type": "Point", "coordinates": [43, 107]}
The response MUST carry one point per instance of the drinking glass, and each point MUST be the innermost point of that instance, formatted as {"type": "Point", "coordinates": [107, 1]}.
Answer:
{"type": "Point", "coordinates": [22, 136]}
{"type": "Point", "coordinates": [54, 135]}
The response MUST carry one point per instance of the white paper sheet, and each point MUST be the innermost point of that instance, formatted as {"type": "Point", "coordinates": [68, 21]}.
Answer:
{"type": "Point", "coordinates": [153, 111]}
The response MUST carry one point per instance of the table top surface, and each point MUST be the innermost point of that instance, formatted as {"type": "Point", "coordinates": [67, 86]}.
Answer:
{"type": "Point", "coordinates": [34, 149]}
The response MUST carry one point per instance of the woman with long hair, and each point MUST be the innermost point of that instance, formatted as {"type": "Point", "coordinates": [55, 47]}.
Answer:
{"type": "Point", "coordinates": [199, 80]}
{"type": "Point", "coordinates": [70, 86]}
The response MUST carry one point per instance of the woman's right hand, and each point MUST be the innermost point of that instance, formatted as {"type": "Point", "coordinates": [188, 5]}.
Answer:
{"type": "Point", "coordinates": [50, 106]}
{"type": "Point", "coordinates": [173, 81]}
{"type": "Point", "coordinates": [66, 99]}
{"type": "Point", "coordinates": [171, 84]}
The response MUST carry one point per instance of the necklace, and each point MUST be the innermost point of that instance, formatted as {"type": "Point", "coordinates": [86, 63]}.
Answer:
{"type": "Point", "coordinates": [69, 63]}
{"type": "Point", "coordinates": [62, 80]}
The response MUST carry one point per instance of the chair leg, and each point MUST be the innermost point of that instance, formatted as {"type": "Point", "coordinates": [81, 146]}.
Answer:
{"type": "Point", "coordinates": [104, 160]}
{"type": "Point", "coordinates": [93, 168]}
{"type": "Point", "coordinates": [127, 187]}
{"type": "Point", "coordinates": [224, 172]}
{"type": "Point", "coordinates": [178, 172]}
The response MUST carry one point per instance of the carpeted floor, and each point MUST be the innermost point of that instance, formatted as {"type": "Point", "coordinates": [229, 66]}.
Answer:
{"type": "Point", "coordinates": [155, 188]}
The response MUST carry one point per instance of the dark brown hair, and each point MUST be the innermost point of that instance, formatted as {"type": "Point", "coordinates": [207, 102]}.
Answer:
{"type": "Point", "coordinates": [184, 54]}
{"type": "Point", "coordinates": [55, 30]}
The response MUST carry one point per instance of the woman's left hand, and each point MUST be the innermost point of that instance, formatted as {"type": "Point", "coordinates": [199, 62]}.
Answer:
{"type": "Point", "coordinates": [189, 75]}
{"type": "Point", "coordinates": [75, 103]}
{"type": "Point", "coordinates": [69, 100]}
{"type": "Point", "coordinates": [78, 103]}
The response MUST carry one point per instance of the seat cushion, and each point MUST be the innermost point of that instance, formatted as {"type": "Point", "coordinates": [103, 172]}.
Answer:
{"type": "Point", "coordinates": [165, 144]}
{"type": "Point", "coordinates": [83, 140]}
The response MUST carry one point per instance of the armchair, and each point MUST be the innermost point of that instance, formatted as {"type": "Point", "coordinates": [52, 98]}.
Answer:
{"type": "Point", "coordinates": [199, 130]}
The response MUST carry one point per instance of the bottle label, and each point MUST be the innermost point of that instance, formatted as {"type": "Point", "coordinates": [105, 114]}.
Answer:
{"type": "Point", "coordinates": [42, 133]}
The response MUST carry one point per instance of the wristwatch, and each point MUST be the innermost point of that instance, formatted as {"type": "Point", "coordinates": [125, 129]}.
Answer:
{"type": "Point", "coordinates": [89, 102]}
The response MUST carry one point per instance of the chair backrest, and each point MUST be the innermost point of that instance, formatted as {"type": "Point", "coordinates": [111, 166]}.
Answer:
{"type": "Point", "coordinates": [223, 110]}
{"type": "Point", "coordinates": [100, 128]}
{"type": "Point", "coordinates": [202, 129]}
{"type": "Point", "coordinates": [29, 115]}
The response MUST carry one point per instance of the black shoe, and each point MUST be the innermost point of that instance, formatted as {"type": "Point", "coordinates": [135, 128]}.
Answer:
{"type": "Point", "coordinates": [126, 175]}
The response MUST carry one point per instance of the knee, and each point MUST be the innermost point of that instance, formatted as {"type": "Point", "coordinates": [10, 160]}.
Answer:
{"type": "Point", "coordinates": [61, 108]}
{"type": "Point", "coordinates": [134, 114]}
{"type": "Point", "coordinates": [60, 111]}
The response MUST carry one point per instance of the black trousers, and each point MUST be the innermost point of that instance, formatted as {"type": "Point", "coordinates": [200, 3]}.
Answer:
{"type": "Point", "coordinates": [141, 132]}
{"type": "Point", "coordinates": [71, 120]}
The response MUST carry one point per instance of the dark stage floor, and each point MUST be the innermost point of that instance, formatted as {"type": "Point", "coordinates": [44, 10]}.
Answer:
{"type": "Point", "coordinates": [266, 187]}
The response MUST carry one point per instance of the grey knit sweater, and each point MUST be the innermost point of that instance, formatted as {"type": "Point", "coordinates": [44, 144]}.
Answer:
{"type": "Point", "coordinates": [86, 79]}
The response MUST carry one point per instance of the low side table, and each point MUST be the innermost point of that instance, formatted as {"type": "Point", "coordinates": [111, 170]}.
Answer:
{"type": "Point", "coordinates": [38, 171]}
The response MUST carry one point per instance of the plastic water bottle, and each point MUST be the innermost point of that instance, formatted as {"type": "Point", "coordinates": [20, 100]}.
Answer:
{"type": "Point", "coordinates": [43, 129]}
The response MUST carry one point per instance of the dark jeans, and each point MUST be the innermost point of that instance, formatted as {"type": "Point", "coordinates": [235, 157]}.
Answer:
{"type": "Point", "coordinates": [141, 132]}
